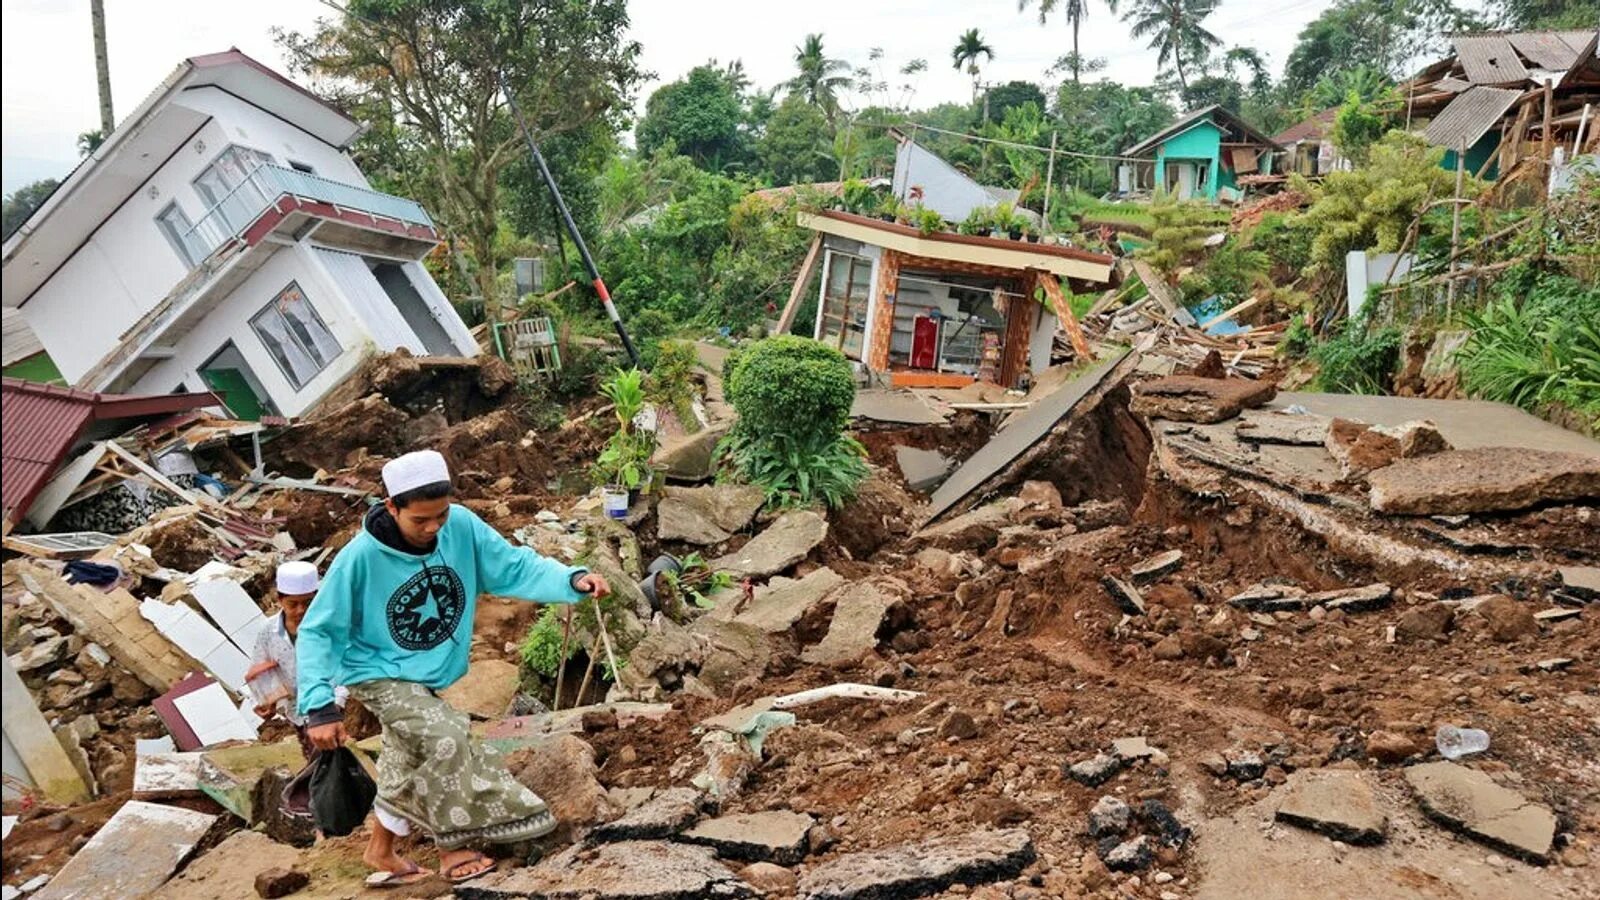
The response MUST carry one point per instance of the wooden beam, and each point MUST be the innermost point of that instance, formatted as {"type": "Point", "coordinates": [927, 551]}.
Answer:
{"type": "Point", "coordinates": [1064, 317]}
{"type": "Point", "coordinates": [786, 320]}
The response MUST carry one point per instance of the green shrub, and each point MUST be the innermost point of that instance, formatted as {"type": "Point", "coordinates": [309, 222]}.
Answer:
{"type": "Point", "coordinates": [672, 381]}
{"type": "Point", "coordinates": [798, 471]}
{"type": "Point", "coordinates": [1283, 241]}
{"type": "Point", "coordinates": [580, 370]}
{"type": "Point", "coordinates": [1356, 361]}
{"type": "Point", "coordinates": [1537, 344]}
{"type": "Point", "coordinates": [541, 647]}
{"type": "Point", "coordinates": [647, 329]}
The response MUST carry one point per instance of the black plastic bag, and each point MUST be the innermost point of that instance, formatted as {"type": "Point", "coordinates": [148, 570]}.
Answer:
{"type": "Point", "coordinates": [341, 792]}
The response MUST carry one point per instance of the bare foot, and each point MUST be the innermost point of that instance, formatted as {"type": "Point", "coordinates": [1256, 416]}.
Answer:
{"type": "Point", "coordinates": [392, 862]}
{"type": "Point", "coordinates": [459, 865]}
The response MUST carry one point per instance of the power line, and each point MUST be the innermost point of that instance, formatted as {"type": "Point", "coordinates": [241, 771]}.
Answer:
{"type": "Point", "coordinates": [913, 126]}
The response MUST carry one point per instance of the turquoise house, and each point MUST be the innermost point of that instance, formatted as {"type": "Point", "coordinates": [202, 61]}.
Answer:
{"type": "Point", "coordinates": [1201, 156]}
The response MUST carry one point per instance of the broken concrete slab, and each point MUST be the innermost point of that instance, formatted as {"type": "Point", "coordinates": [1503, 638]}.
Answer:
{"type": "Point", "coordinates": [1484, 479]}
{"type": "Point", "coordinates": [486, 691]}
{"type": "Point", "coordinates": [895, 407]}
{"type": "Point", "coordinates": [785, 542]}
{"type": "Point", "coordinates": [630, 870]}
{"type": "Point", "coordinates": [1130, 856]}
{"type": "Point", "coordinates": [775, 836]}
{"type": "Point", "coordinates": [782, 602]}
{"type": "Point", "coordinates": [1096, 770]}
{"type": "Point", "coordinates": [1268, 598]}
{"type": "Point", "coordinates": [692, 458]}
{"type": "Point", "coordinates": [679, 521]}
{"type": "Point", "coordinates": [923, 470]}
{"type": "Point", "coordinates": [658, 818]}
{"type": "Point", "coordinates": [28, 734]}
{"type": "Point", "coordinates": [1260, 426]}
{"type": "Point", "coordinates": [158, 776]}
{"type": "Point", "coordinates": [707, 515]}
{"type": "Point", "coordinates": [228, 870]}
{"type": "Point", "coordinates": [111, 620]}
{"type": "Point", "coordinates": [921, 868]}
{"type": "Point", "coordinates": [562, 771]}
{"type": "Point", "coordinates": [1186, 398]}
{"type": "Point", "coordinates": [230, 775]}
{"type": "Point", "coordinates": [1556, 614]}
{"type": "Point", "coordinates": [1125, 595]}
{"type": "Point", "coordinates": [853, 633]}
{"type": "Point", "coordinates": [1357, 599]}
{"type": "Point", "coordinates": [1359, 448]}
{"type": "Point", "coordinates": [978, 529]}
{"type": "Point", "coordinates": [1109, 816]}
{"type": "Point", "coordinates": [1582, 582]}
{"type": "Point", "coordinates": [1339, 803]}
{"type": "Point", "coordinates": [735, 651]}
{"type": "Point", "coordinates": [1156, 566]}
{"type": "Point", "coordinates": [1470, 802]}
{"type": "Point", "coordinates": [1021, 433]}
{"type": "Point", "coordinates": [1133, 748]}
{"type": "Point", "coordinates": [132, 854]}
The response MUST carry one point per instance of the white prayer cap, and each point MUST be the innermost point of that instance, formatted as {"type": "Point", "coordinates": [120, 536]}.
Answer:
{"type": "Point", "coordinates": [413, 470]}
{"type": "Point", "coordinates": [297, 578]}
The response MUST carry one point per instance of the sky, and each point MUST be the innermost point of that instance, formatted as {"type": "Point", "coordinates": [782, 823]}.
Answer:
{"type": "Point", "coordinates": [47, 78]}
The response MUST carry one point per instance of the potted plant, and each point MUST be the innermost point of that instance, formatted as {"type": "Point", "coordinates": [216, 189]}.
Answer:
{"type": "Point", "coordinates": [1007, 220]}
{"type": "Point", "coordinates": [888, 207]}
{"type": "Point", "coordinates": [927, 221]}
{"type": "Point", "coordinates": [859, 198]}
{"type": "Point", "coordinates": [976, 222]}
{"type": "Point", "coordinates": [623, 466]}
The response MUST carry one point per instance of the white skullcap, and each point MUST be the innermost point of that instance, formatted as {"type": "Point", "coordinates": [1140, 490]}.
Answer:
{"type": "Point", "coordinates": [297, 578]}
{"type": "Point", "coordinates": [413, 470]}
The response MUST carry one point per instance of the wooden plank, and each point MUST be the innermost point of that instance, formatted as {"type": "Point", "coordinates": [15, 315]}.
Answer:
{"type": "Point", "coordinates": [786, 320]}
{"type": "Point", "coordinates": [1237, 309]}
{"type": "Point", "coordinates": [1064, 316]}
{"type": "Point", "coordinates": [161, 480]}
{"type": "Point", "coordinates": [1162, 293]}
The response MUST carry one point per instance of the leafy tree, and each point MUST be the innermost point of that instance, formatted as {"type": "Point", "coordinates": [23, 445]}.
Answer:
{"type": "Point", "coordinates": [1250, 59]}
{"type": "Point", "coordinates": [701, 115]}
{"type": "Point", "coordinates": [1372, 207]}
{"type": "Point", "coordinates": [576, 160]}
{"type": "Point", "coordinates": [1358, 125]}
{"type": "Point", "coordinates": [755, 269]}
{"type": "Point", "coordinates": [1213, 89]}
{"type": "Point", "coordinates": [1178, 236]}
{"type": "Point", "coordinates": [1366, 82]}
{"type": "Point", "coordinates": [1533, 14]}
{"type": "Point", "coordinates": [21, 203]}
{"type": "Point", "coordinates": [966, 52]}
{"type": "Point", "coordinates": [1386, 35]}
{"type": "Point", "coordinates": [1174, 30]}
{"type": "Point", "coordinates": [1000, 100]}
{"type": "Point", "coordinates": [820, 78]}
{"type": "Point", "coordinates": [1075, 11]}
{"type": "Point", "coordinates": [1110, 117]}
{"type": "Point", "coordinates": [796, 148]}
{"type": "Point", "coordinates": [437, 66]}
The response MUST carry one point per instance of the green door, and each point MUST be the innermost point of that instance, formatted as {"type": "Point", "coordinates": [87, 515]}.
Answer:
{"type": "Point", "coordinates": [235, 391]}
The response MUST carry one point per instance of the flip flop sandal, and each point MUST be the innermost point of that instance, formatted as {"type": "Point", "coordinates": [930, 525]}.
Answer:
{"type": "Point", "coordinates": [411, 875]}
{"type": "Point", "coordinates": [475, 860]}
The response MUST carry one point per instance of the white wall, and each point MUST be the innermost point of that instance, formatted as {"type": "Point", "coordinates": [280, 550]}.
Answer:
{"type": "Point", "coordinates": [128, 265]}
{"type": "Point", "coordinates": [944, 189]}
{"type": "Point", "coordinates": [1042, 339]}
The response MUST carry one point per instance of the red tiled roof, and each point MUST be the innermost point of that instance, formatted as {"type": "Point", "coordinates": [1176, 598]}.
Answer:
{"type": "Point", "coordinates": [1315, 127]}
{"type": "Point", "coordinates": [40, 424]}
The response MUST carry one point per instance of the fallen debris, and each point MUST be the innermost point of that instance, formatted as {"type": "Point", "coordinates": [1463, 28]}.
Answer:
{"type": "Point", "coordinates": [921, 868]}
{"type": "Point", "coordinates": [775, 836]}
{"type": "Point", "coordinates": [1185, 398]}
{"type": "Point", "coordinates": [1126, 596]}
{"type": "Point", "coordinates": [1338, 803]}
{"type": "Point", "coordinates": [785, 542]}
{"type": "Point", "coordinates": [1156, 566]}
{"type": "Point", "coordinates": [662, 816]}
{"type": "Point", "coordinates": [132, 854]}
{"type": "Point", "coordinates": [859, 613]}
{"type": "Point", "coordinates": [636, 870]}
{"type": "Point", "coordinates": [1483, 479]}
{"type": "Point", "coordinates": [1470, 802]}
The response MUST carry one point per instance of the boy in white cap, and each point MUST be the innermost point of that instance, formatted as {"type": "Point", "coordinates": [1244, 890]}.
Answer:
{"type": "Point", "coordinates": [274, 653]}
{"type": "Point", "coordinates": [393, 622]}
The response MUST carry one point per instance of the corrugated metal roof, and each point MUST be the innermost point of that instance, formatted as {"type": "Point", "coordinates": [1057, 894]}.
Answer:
{"type": "Point", "coordinates": [1545, 49]}
{"type": "Point", "coordinates": [40, 423]}
{"type": "Point", "coordinates": [1470, 115]}
{"type": "Point", "coordinates": [1452, 84]}
{"type": "Point", "coordinates": [17, 342]}
{"type": "Point", "coordinates": [1489, 59]}
{"type": "Point", "coordinates": [1580, 39]}
{"type": "Point", "coordinates": [1314, 127]}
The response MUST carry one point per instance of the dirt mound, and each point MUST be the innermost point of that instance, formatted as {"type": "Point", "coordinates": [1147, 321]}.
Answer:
{"type": "Point", "coordinates": [181, 543]}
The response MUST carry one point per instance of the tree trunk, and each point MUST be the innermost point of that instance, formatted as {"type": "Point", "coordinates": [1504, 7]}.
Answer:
{"type": "Point", "coordinates": [1177, 61]}
{"type": "Point", "coordinates": [102, 65]}
{"type": "Point", "coordinates": [1077, 58]}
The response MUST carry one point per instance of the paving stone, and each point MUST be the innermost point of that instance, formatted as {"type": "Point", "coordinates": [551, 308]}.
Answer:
{"type": "Point", "coordinates": [1470, 802]}
{"type": "Point", "coordinates": [132, 854]}
{"type": "Point", "coordinates": [1336, 802]}
{"type": "Point", "coordinates": [662, 816]}
{"type": "Point", "coordinates": [1097, 770]}
{"type": "Point", "coordinates": [1156, 566]}
{"type": "Point", "coordinates": [785, 542]}
{"type": "Point", "coordinates": [853, 632]}
{"type": "Point", "coordinates": [775, 836]}
{"type": "Point", "coordinates": [1109, 816]}
{"type": "Point", "coordinates": [630, 870]}
{"type": "Point", "coordinates": [1130, 856]}
{"type": "Point", "coordinates": [922, 868]}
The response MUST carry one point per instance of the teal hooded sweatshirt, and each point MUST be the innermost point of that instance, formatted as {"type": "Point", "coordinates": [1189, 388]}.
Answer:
{"type": "Point", "coordinates": [382, 612]}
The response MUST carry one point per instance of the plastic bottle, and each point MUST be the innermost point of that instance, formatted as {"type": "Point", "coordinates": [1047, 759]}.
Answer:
{"type": "Point", "coordinates": [1455, 743]}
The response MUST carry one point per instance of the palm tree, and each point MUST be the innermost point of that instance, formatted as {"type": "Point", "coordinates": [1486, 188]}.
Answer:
{"type": "Point", "coordinates": [820, 78]}
{"type": "Point", "coordinates": [1174, 29]}
{"type": "Point", "coordinates": [1076, 11]}
{"type": "Point", "coordinates": [966, 53]}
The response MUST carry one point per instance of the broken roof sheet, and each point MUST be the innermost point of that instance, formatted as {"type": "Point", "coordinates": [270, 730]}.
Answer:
{"type": "Point", "coordinates": [1470, 115]}
{"type": "Point", "coordinates": [1546, 49]}
{"type": "Point", "coordinates": [1489, 59]}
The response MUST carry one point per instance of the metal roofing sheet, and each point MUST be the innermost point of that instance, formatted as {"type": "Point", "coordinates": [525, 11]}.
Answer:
{"type": "Point", "coordinates": [1580, 39]}
{"type": "Point", "coordinates": [1489, 59]}
{"type": "Point", "coordinates": [1469, 116]}
{"type": "Point", "coordinates": [1452, 84]}
{"type": "Point", "coordinates": [1545, 49]}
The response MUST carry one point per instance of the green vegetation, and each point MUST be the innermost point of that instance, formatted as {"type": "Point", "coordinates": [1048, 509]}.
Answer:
{"type": "Point", "coordinates": [1537, 344]}
{"type": "Point", "coordinates": [671, 382]}
{"type": "Point", "coordinates": [625, 459]}
{"type": "Point", "coordinates": [694, 582]}
{"type": "Point", "coordinates": [541, 646]}
{"type": "Point", "coordinates": [1357, 361]}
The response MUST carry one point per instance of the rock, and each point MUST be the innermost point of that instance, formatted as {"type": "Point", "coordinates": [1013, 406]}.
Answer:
{"type": "Point", "coordinates": [662, 816]}
{"type": "Point", "coordinates": [678, 521]}
{"type": "Point", "coordinates": [631, 870]}
{"type": "Point", "coordinates": [1417, 438]}
{"type": "Point", "coordinates": [1130, 856]}
{"type": "Point", "coordinates": [1213, 763]}
{"type": "Point", "coordinates": [923, 470]}
{"type": "Point", "coordinates": [487, 689]}
{"type": "Point", "coordinates": [1470, 802]}
{"type": "Point", "coordinates": [1156, 566]}
{"type": "Point", "coordinates": [769, 878]}
{"type": "Point", "coordinates": [1389, 747]}
{"type": "Point", "coordinates": [775, 836]}
{"type": "Point", "coordinates": [1125, 595]}
{"type": "Point", "coordinates": [1131, 748]}
{"type": "Point", "coordinates": [1246, 766]}
{"type": "Point", "coordinates": [1109, 816]}
{"type": "Point", "coordinates": [942, 563]}
{"type": "Point", "coordinates": [1505, 619]}
{"type": "Point", "coordinates": [1483, 479]}
{"type": "Point", "coordinates": [958, 725]}
{"type": "Point", "coordinates": [1359, 448]}
{"type": "Point", "coordinates": [785, 542]}
{"type": "Point", "coordinates": [1357, 599]}
{"type": "Point", "coordinates": [45, 653]}
{"type": "Point", "coordinates": [1159, 819]}
{"type": "Point", "coordinates": [1168, 648]}
{"type": "Point", "coordinates": [1211, 366]}
{"type": "Point", "coordinates": [692, 458]}
{"type": "Point", "coordinates": [1096, 770]}
{"type": "Point", "coordinates": [1201, 646]}
{"type": "Point", "coordinates": [782, 602]}
{"type": "Point", "coordinates": [921, 868]}
{"type": "Point", "coordinates": [1429, 622]}
{"type": "Point", "coordinates": [719, 509]}
{"type": "Point", "coordinates": [562, 772]}
{"type": "Point", "coordinates": [975, 531]}
{"type": "Point", "coordinates": [1041, 494]}
{"type": "Point", "coordinates": [1185, 398]}
{"type": "Point", "coordinates": [1269, 598]}
{"type": "Point", "coordinates": [1336, 802]}
{"type": "Point", "coordinates": [1262, 427]}
{"type": "Point", "coordinates": [1556, 614]}
{"type": "Point", "coordinates": [279, 882]}
{"type": "Point", "coordinates": [853, 632]}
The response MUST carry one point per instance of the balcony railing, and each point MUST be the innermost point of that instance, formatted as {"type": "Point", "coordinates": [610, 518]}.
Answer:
{"type": "Point", "coordinates": [244, 204]}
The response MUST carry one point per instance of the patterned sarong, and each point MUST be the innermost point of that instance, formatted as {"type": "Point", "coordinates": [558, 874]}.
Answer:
{"type": "Point", "coordinates": [432, 773]}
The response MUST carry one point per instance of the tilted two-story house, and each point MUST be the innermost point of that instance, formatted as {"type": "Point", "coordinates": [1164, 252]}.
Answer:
{"type": "Point", "coordinates": [223, 239]}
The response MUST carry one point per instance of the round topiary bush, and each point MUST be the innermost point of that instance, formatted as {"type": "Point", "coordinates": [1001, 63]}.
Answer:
{"type": "Point", "coordinates": [791, 385]}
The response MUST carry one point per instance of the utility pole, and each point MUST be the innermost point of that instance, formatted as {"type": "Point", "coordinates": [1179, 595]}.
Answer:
{"type": "Point", "coordinates": [102, 65]}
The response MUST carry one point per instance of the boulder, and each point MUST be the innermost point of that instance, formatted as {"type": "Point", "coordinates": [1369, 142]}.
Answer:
{"type": "Point", "coordinates": [1505, 619]}
{"type": "Point", "coordinates": [1470, 802]}
{"type": "Point", "coordinates": [1429, 622]}
{"type": "Point", "coordinates": [1483, 479]}
{"type": "Point", "coordinates": [1186, 398]}
{"type": "Point", "coordinates": [922, 868]}
{"type": "Point", "coordinates": [785, 542]}
{"type": "Point", "coordinates": [562, 772]}
{"type": "Point", "coordinates": [1336, 802]}
{"type": "Point", "coordinates": [487, 689]}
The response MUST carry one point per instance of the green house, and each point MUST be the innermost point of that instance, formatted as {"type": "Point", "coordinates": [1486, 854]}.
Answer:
{"type": "Point", "coordinates": [1203, 155]}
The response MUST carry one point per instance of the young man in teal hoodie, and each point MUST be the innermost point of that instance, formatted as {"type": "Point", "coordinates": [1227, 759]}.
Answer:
{"type": "Point", "coordinates": [392, 622]}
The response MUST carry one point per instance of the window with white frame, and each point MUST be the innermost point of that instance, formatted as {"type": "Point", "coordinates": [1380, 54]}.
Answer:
{"type": "Point", "coordinates": [225, 186]}
{"type": "Point", "coordinates": [176, 226]}
{"type": "Point", "coordinates": [295, 336]}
